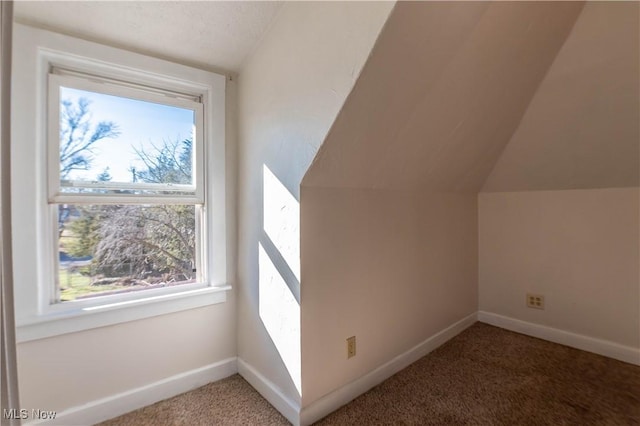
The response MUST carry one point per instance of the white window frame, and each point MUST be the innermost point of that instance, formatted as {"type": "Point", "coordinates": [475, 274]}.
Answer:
{"type": "Point", "coordinates": [36, 178]}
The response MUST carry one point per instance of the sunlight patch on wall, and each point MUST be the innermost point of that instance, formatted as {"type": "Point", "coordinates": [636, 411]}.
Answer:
{"type": "Point", "coordinates": [280, 314]}
{"type": "Point", "coordinates": [279, 263]}
{"type": "Point", "coordinates": [282, 220]}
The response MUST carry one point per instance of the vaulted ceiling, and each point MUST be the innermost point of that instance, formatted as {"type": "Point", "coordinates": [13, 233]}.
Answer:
{"type": "Point", "coordinates": [456, 96]}
{"type": "Point", "coordinates": [582, 127]}
{"type": "Point", "coordinates": [216, 35]}
{"type": "Point", "coordinates": [449, 85]}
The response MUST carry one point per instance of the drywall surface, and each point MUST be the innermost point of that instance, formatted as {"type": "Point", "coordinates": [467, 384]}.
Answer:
{"type": "Point", "coordinates": [389, 213]}
{"type": "Point", "coordinates": [581, 129]}
{"type": "Point", "coordinates": [77, 368]}
{"type": "Point", "coordinates": [442, 94]}
{"type": "Point", "coordinates": [578, 248]}
{"type": "Point", "coordinates": [391, 268]}
{"type": "Point", "coordinates": [290, 91]}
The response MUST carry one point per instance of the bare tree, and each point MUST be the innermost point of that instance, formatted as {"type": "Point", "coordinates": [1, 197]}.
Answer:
{"type": "Point", "coordinates": [169, 163]}
{"type": "Point", "coordinates": [147, 240]}
{"type": "Point", "coordinates": [143, 240]}
{"type": "Point", "coordinates": [77, 140]}
{"type": "Point", "coordinates": [78, 136]}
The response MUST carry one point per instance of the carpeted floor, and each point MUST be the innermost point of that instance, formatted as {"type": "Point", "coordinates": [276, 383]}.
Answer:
{"type": "Point", "coordinates": [484, 376]}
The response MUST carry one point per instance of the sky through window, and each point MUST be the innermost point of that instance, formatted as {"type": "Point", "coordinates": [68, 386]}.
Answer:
{"type": "Point", "coordinates": [141, 125]}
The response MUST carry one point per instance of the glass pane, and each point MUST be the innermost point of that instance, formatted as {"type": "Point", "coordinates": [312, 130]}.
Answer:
{"type": "Point", "coordinates": [112, 249]}
{"type": "Point", "coordinates": [108, 138]}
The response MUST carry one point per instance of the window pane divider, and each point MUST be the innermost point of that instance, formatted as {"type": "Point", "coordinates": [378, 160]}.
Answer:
{"type": "Point", "coordinates": [124, 199]}
{"type": "Point", "coordinates": [128, 186]}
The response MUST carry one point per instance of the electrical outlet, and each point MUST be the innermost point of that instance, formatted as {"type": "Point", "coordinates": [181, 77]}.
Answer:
{"type": "Point", "coordinates": [351, 347]}
{"type": "Point", "coordinates": [535, 301]}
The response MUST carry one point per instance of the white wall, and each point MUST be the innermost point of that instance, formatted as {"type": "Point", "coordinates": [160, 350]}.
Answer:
{"type": "Point", "coordinates": [578, 248]}
{"type": "Point", "coordinates": [74, 369]}
{"type": "Point", "coordinates": [290, 92]}
{"type": "Point", "coordinates": [389, 205]}
{"type": "Point", "coordinates": [544, 226]}
{"type": "Point", "coordinates": [392, 268]}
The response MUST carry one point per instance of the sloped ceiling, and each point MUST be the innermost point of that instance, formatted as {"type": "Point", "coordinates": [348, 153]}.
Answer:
{"type": "Point", "coordinates": [216, 35]}
{"type": "Point", "coordinates": [441, 95]}
{"type": "Point", "coordinates": [582, 128]}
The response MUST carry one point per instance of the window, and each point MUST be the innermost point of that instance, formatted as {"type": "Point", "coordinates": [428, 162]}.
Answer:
{"type": "Point", "coordinates": [129, 160]}
{"type": "Point", "coordinates": [125, 185]}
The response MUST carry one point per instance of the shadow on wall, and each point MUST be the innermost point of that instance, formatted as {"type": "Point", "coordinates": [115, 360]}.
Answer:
{"type": "Point", "coordinates": [279, 276]}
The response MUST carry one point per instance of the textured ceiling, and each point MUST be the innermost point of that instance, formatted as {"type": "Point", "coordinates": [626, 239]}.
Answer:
{"type": "Point", "coordinates": [442, 93]}
{"type": "Point", "coordinates": [217, 35]}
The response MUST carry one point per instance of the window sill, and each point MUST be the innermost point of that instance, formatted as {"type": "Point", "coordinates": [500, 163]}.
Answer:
{"type": "Point", "coordinates": [81, 319]}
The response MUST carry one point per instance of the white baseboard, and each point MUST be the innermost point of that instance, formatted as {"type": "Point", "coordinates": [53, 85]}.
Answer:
{"type": "Point", "coordinates": [339, 397]}
{"type": "Point", "coordinates": [116, 405]}
{"type": "Point", "coordinates": [567, 338]}
{"type": "Point", "coordinates": [286, 406]}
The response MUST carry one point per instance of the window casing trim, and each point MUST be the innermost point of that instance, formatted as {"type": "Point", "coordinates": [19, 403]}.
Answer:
{"type": "Point", "coordinates": [71, 321]}
{"type": "Point", "coordinates": [35, 53]}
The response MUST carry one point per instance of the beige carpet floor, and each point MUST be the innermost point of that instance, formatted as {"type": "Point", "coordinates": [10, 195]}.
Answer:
{"type": "Point", "coordinates": [484, 376]}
